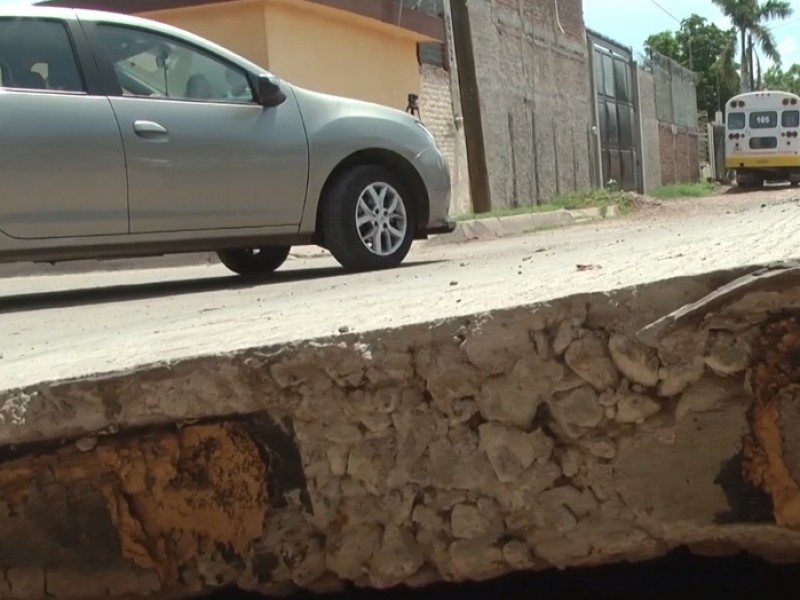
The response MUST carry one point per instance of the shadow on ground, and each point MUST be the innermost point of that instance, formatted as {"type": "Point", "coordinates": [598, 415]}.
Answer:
{"type": "Point", "coordinates": [679, 575]}
{"type": "Point", "coordinates": [770, 187]}
{"type": "Point", "coordinates": [150, 290]}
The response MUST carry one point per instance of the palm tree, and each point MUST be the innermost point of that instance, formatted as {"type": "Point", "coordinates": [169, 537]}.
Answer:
{"type": "Point", "coordinates": [750, 18]}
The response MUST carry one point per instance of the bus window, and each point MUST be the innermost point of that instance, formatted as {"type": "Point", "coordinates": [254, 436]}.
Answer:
{"type": "Point", "coordinates": [736, 120]}
{"type": "Point", "coordinates": [767, 119]}
{"type": "Point", "coordinates": [790, 118]}
{"type": "Point", "coordinates": [763, 143]}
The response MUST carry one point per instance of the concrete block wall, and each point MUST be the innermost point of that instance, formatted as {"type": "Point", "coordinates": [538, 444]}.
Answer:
{"type": "Point", "coordinates": [436, 111]}
{"type": "Point", "coordinates": [678, 149]}
{"type": "Point", "coordinates": [533, 74]}
{"type": "Point", "coordinates": [651, 149]}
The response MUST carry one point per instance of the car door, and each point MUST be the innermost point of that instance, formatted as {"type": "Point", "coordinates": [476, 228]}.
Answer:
{"type": "Point", "coordinates": [201, 153]}
{"type": "Point", "coordinates": [62, 166]}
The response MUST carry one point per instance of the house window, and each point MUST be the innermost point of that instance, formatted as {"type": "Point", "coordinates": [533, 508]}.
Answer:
{"type": "Point", "coordinates": [433, 53]}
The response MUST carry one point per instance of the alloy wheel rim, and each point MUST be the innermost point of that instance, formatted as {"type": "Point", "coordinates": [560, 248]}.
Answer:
{"type": "Point", "coordinates": [381, 219]}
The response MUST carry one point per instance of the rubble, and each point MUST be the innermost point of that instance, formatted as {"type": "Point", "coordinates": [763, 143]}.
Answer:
{"type": "Point", "coordinates": [597, 428]}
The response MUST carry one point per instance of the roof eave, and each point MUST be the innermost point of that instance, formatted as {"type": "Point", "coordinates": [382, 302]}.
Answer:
{"type": "Point", "coordinates": [392, 12]}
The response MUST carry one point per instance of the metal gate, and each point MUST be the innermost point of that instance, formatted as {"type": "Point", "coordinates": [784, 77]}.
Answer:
{"type": "Point", "coordinates": [617, 112]}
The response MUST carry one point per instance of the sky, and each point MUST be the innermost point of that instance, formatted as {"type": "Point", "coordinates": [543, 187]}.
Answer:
{"type": "Point", "coordinates": [632, 21]}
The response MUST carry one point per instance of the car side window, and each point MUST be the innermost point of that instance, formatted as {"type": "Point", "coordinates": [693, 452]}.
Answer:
{"type": "Point", "coordinates": [151, 65]}
{"type": "Point", "coordinates": [37, 54]}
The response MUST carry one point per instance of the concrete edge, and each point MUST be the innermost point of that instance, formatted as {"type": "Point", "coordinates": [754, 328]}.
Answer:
{"type": "Point", "coordinates": [497, 227]}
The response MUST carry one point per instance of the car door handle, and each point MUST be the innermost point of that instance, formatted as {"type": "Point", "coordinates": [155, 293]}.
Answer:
{"type": "Point", "coordinates": [148, 129]}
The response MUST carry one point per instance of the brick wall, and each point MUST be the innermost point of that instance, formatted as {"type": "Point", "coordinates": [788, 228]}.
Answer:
{"type": "Point", "coordinates": [651, 148]}
{"type": "Point", "coordinates": [436, 111]}
{"type": "Point", "coordinates": [678, 149]}
{"type": "Point", "coordinates": [675, 104]}
{"type": "Point", "coordinates": [533, 82]}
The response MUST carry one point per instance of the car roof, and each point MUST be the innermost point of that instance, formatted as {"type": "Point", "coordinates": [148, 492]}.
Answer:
{"type": "Point", "coordinates": [84, 14]}
{"type": "Point", "coordinates": [58, 12]}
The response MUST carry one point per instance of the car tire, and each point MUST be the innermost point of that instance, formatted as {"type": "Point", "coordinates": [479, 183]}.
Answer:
{"type": "Point", "coordinates": [360, 200]}
{"type": "Point", "coordinates": [254, 262]}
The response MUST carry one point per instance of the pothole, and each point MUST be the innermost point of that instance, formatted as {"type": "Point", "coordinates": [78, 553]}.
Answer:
{"type": "Point", "coordinates": [679, 573]}
{"type": "Point", "coordinates": [592, 430]}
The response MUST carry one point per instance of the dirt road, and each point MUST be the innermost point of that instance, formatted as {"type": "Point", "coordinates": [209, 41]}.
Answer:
{"type": "Point", "coordinates": [56, 327]}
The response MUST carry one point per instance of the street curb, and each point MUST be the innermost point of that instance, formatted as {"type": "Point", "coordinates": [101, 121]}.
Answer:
{"type": "Point", "coordinates": [498, 227]}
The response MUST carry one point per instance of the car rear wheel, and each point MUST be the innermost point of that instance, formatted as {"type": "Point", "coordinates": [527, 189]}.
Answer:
{"type": "Point", "coordinates": [368, 219]}
{"type": "Point", "coordinates": [253, 262]}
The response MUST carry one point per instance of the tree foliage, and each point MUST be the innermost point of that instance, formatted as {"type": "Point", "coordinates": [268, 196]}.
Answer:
{"type": "Point", "coordinates": [750, 19]}
{"type": "Point", "coordinates": [704, 48]}
{"type": "Point", "coordinates": [776, 78]}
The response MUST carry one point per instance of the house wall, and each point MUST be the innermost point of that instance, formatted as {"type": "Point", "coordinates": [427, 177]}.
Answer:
{"type": "Point", "coordinates": [239, 26]}
{"type": "Point", "coordinates": [437, 112]}
{"type": "Point", "coordinates": [678, 149]}
{"type": "Point", "coordinates": [312, 46]}
{"type": "Point", "coordinates": [651, 148]}
{"type": "Point", "coordinates": [533, 73]}
{"type": "Point", "coordinates": [676, 111]}
{"type": "Point", "coordinates": [339, 53]}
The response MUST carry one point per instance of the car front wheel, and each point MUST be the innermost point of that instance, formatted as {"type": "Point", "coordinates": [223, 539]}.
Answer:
{"type": "Point", "coordinates": [253, 262]}
{"type": "Point", "coordinates": [368, 219]}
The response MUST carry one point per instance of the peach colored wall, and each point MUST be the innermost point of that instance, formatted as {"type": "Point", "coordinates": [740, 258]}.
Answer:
{"type": "Point", "coordinates": [314, 47]}
{"type": "Point", "coordinates": [343, 55]}
{"type": "Point", "coordinates": [239, 26]}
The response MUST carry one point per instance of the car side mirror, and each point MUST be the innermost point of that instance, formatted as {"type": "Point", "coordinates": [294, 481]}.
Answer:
{"type": "Point", "coordinates": [268, 91]}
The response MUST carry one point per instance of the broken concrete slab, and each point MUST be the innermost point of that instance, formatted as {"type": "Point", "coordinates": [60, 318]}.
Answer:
{"type": "Point", "coordinates": [544, 435]}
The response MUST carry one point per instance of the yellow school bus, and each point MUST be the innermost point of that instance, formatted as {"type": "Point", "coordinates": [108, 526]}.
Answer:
{"type": "Point", "coordinates": [761, 137]}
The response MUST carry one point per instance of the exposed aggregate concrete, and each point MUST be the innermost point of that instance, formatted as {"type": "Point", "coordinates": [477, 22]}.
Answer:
{"type": "Point", "coordinates": [595, 428]}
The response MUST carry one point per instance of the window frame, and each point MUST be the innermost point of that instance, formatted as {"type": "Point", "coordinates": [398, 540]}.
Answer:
{"type": "Point", "coordinates": [737, 113]}
{"type": "Point", "coordinates": [81, 54]}
{"type": "Point", "coordinates": [106, 65]}
{"type": "Point", "coordinates": [787, 111]}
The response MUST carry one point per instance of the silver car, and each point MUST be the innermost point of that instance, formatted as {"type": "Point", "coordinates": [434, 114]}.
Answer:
{"type": "Point", "coordinates": [121, 137]}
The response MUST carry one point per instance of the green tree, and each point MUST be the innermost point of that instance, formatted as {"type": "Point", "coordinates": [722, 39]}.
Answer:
{"type": "Point", "coordinates": [776, 78]}
{"type": "Point", "coordinates": [702, 47]}
{"type": "Point", "coordinates": [750, 19]}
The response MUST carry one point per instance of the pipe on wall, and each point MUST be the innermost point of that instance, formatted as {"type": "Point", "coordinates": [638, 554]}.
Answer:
{"type": "Point", "coordinates": [558, 16]}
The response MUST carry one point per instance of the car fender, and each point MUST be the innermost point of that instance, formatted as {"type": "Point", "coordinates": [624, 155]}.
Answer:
{"type": "Point", "coordinates": [337, 128]}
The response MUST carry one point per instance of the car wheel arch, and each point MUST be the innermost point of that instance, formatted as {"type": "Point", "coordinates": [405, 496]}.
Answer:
{"type": "Point", "coordinates": [382, 158]}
